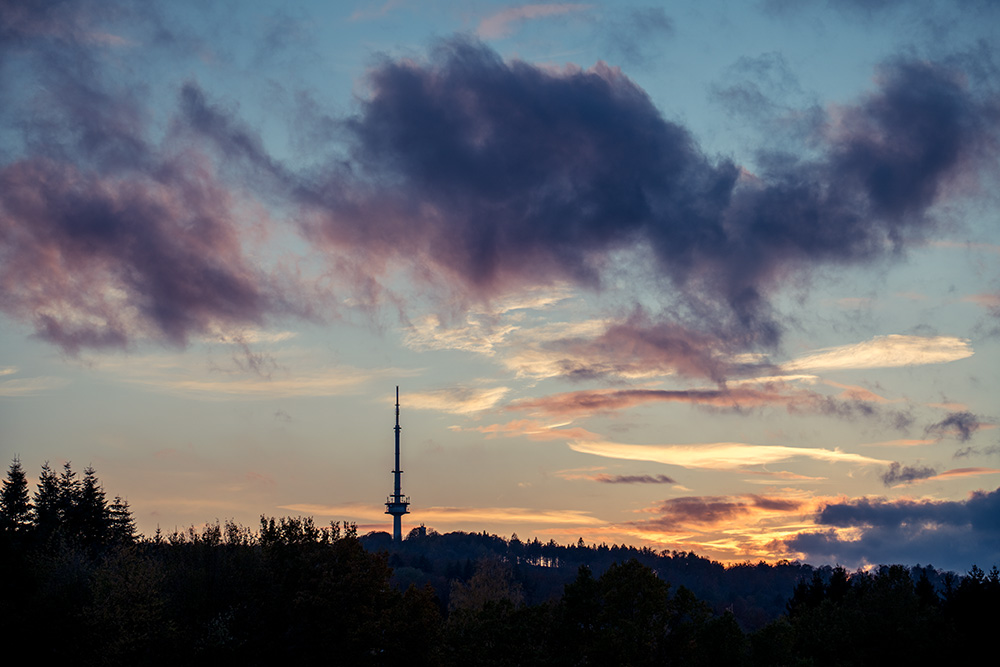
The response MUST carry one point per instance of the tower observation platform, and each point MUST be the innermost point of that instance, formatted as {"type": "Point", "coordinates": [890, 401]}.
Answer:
{"type": "Point", "coordinates": [397, 503]}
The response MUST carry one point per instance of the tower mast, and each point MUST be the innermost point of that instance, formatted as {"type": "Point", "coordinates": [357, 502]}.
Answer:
{"type": "Point", "coordinates": [396, 504]}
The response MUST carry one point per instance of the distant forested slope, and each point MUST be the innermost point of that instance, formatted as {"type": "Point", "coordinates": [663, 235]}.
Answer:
{"type": "Point", "coordinates": [80, 585]}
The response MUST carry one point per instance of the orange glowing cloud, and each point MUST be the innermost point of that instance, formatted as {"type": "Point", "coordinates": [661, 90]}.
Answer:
{"type": "Point", "coordinates": [856, 393]}
{"type": "Point", "coordinates": [902, 442]}
{"type": "Point", "coordinates": [728, 528]}
{"type": "Point", "coordinates": [966, 472]}
{"type": "Point", "coordinates": [718, 455]}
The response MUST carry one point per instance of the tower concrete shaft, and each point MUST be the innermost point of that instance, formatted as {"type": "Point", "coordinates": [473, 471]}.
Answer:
{"type": "Point", "coordinates": [396, 504]}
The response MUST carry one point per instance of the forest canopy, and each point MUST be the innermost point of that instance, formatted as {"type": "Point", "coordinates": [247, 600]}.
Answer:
{"type": "Point", "coordinates": [84, 585]}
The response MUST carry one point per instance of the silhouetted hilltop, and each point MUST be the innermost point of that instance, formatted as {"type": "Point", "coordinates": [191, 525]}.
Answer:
{"type": "Point", "coordinates": [82, 586]}
{"type": "Point", "coordinates": [755, 593]}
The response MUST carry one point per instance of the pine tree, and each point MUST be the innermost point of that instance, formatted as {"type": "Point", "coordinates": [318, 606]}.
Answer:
{"type": "Point", "coordinates": [46, 499]}
{"type": "Point", "coordinates": [93, 517]}
{"type": "Point", "coordinates": [69, 497]}
{"type": "Point", "coordinates": [15, 508]}
{"type": "Point", "coordinates": [122, 523]}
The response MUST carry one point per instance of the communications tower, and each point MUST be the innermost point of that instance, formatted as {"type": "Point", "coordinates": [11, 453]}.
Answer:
{"type": "Point", "coordinates": [396, 503]}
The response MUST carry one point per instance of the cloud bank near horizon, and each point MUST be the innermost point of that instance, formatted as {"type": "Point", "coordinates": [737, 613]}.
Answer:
{"type": "Point", "coordinates": [950, 534]}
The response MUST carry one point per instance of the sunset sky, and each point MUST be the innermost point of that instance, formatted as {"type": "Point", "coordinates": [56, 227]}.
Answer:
{"type": "Point", "coordinates": [720, 277]}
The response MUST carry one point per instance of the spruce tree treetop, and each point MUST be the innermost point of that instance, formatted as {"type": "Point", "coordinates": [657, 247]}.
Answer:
{"type": "Point", "coordinates": [122, 524]}
{"type": "Point", "coordinates": [15, 508]}
{"type": "Point", "coordinates": [47, 518]}
{"type": "Point", "coordinates": [93, 518]}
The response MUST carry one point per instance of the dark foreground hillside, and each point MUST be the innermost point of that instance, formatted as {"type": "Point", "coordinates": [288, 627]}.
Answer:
{"type": "Point", "coordinates": [81, 586]}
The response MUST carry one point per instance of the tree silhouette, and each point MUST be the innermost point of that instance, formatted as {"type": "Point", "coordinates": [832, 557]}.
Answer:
{"type": "Point", "coordinates": [93, 517]}
{"type": "Point", "coordinates": [122, 525]}
{"type": "Point", "coordinates": [47, 515]}
{"type": "Point", "coordinates": [15, 508]}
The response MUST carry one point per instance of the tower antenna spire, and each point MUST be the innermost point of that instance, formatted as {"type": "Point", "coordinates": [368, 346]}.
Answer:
{"type": "Point", "coordinates": [397, 503]}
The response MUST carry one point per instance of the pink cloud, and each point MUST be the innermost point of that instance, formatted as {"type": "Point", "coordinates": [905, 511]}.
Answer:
{"type": "Point", "coordinates": [501, 24]}
{"type": "Point", "coordinates": [533, 430]}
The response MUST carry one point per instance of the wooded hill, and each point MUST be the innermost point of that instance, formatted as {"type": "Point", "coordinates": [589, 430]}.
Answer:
{"type": "Point", "coordinates": [81, 585]}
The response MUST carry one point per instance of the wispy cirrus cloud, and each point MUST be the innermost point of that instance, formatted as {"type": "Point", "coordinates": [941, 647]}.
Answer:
{"type": "Point", "coordinates": [297, 375]}
{"type": "Point", "coordinates": [966, 472]}
{"type": "Point", "coordinates": [743, 396]}
{"type": "Point", "coordinates": [885, 352]}
{"type": "Point", "coordinates": [427, 332]}
{"type": "Point", "coordinates": [30, 386]}
{"type": "Point", "coordinates": [533, 430]}
{"type": "Point", "coordinates": [990, 300]}
{"type": "Point", "coordinates": [502, 23]}
{"type": "Point", "coordinates": [488, 330]}
{"type": "Point", "coordinates": [457, 400]}
{"type": "Point", "coordinates": [901, 442]}
{"type": "Point", "coordinates": [781, 476]}
{"type": "Point", "coordinates": [717, 455]}
{"type": "Point", "coordinates": [368, 14]}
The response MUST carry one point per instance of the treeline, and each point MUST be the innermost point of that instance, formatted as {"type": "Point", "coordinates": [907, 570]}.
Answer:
{"type": "Point", "coordinates": [66, 508]}
{"type": "Point", "coordinates": [756, 593]}
{"type": "Point", "coordinates": [81, 585]}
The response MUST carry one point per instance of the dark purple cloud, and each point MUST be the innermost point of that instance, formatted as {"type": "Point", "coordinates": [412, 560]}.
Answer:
{"type": "Point", "coordinates": [107, 235]}
{"type": "Point", "coordinates": [737, 399]}
{"type": "Point", "coordinates": [239, 145]}
{"type": "Point", "coordinates": [95, 261]}
{"type": "Point", "coordinates": [950, 534]}
{"type": "Point", "coordinates": [499, 174]}
{"type": "Point", "coordinates": [900, 474]}
{"type": "Point", "coordinates": [708, 510]}
{"type": "Point", "coordinates": [960, 425]}
{"type": "Point", "coordinates": [633, 479]}
{"type": "Point", "coordinates": [477, 174]}
{"type": "Point", "coordinates": [970, 450]}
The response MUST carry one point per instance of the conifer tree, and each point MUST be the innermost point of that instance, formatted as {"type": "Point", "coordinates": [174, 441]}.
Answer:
{"type": "Point", "coordinates": [15, 508]}
{"type": "Point", "coordinates": [69, 495]}
{"type": "Point", "coordinates": [93, 518]}
{"type": "Point", "coordinates": [122, 524]}
{"type": "Point", "coordinates": [46, 502]}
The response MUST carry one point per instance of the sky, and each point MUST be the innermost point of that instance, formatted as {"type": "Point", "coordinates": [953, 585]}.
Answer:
{"type": "Point", "coordinates": [720, 277]}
